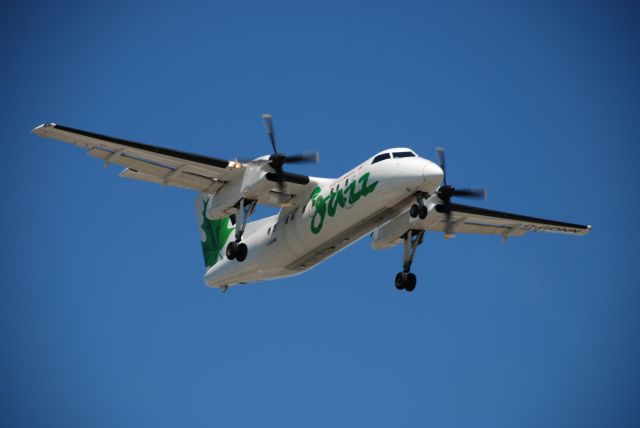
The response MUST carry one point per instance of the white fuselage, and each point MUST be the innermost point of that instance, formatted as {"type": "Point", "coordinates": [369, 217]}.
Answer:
{"type": "Point", "coordinates": [340, 212]}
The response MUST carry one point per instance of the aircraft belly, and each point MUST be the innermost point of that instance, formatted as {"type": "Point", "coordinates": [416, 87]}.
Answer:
{"type": "Point", "coordinates": [295, 248]}
{"type": "Point", "coordinates": [312, 249]}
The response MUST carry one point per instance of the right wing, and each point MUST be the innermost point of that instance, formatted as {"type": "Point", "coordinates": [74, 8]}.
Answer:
{"type": "Point", "coordinates": [170, 167]}
{"type": "Point", "coordinates": [149, 163]}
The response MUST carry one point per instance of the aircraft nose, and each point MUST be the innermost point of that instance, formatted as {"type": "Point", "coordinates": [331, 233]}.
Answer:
{"type": "Point", "coordinates": [432, 173]}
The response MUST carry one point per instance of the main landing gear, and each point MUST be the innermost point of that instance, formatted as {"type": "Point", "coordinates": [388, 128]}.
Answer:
{"type": "Point", "coordinates": [406, 280]}
{"type": "Point", "coordinates": [238, 250]}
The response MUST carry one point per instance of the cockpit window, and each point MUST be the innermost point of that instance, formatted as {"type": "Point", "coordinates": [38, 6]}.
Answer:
{"type": "Point", "coordinates": [404, 155]}
{"type": "Point", "coordinates": [381, 157]}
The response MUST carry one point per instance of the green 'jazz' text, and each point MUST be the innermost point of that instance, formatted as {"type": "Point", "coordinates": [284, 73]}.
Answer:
{"type": "Point", "coordinates": [330, 203]}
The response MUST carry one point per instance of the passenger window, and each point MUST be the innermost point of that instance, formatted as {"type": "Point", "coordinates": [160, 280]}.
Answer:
{"type": "Point", "coordinates": [404, 155]}
{"type": "Point", "coordinates": [381, 157]}
{"type": "Point", "coordinates": [269, 231]}
{"type": "Point", "coordinates": [346, 183]}
{"type": "Point", "coordinates": [286, 220]}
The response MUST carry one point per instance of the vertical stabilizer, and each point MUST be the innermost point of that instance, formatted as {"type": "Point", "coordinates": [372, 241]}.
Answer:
{"type": "Point", "coordinates": [214, 234]}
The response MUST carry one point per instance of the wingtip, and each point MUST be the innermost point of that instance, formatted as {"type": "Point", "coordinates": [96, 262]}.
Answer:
{"type": "Point", "coordinates": [38, 128]}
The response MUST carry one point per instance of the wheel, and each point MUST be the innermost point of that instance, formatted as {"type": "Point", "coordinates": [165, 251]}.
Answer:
{"type": "Point", "coordinates": [241, 253]}
{"type": "Point", "coordinates": [400, 280]}
{"type": "Point", "coordinates": [414, 211]}
{"type": "Point", "coordinates": [232, 250]}
{"type": "Point", "coordinates": [423, 211]}
{"type": "Point", "coordinates": [410, 285]}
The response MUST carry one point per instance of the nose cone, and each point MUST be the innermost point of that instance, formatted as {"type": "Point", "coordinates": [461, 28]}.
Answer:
{"type": "Point", "coordinates": [432, 173]}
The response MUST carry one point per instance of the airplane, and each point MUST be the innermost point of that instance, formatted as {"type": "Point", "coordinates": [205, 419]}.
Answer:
{"type": "Point", "coordinates": [395, 196]}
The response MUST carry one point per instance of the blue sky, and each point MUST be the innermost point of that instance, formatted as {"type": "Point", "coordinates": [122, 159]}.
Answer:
{"type": "Point", "coordinates": [104, 318]}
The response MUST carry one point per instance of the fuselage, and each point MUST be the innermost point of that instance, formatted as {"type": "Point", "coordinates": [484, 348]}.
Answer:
{"type": "Point", "coordinates": [337, 213]}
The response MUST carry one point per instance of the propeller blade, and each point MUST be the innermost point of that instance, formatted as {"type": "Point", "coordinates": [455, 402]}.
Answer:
{"type": "Point", "coordinates": [442, 164]}
{"type": "Point", "coordinates": [280, 180]}
{"type": "Point", "coordinates": [313, 157]}
{"type": "Point", "coordinates": [281, 188]}
{"type": "Point", "coordinates": [471, 193]}
{"type": "Point", "coordinates": [303, 157]}
{"type": "Point", "coordinates": [268, 124]}
{"type": "Point", "coordinates": [448, 229]}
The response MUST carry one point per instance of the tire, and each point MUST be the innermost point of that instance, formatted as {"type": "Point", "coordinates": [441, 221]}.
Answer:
{"type": "Point", "coordinates": [410, 285]}
{"type": "Point", "coordinates": [414, 211]}
{"type": "Point", "coordinates": [423, 212]}
{"type": "Point", "coordinates": [400, 280]}
{"type": "Point", "coordinates": [232, 250]}
{"type": "Point", "coordinates": [241, 253]}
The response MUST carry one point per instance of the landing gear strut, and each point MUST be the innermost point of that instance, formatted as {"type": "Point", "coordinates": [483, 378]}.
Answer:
{"type": "Point", "coordinates": [236, 249]}
{"type": "Point", "coordinates": [406, 280]}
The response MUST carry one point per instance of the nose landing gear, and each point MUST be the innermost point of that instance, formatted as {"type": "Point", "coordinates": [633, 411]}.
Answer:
{"type": "Point", "coordinates": [418, 210]}
{"type": "Point", "coordinates": [406, 280]}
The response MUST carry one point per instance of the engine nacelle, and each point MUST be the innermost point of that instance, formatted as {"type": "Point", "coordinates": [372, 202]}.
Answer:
{"type": "Point", "coordinates": [391, 233]}
{"type": "Point", "coordinates": [223, 202]}
{"type": "Point", "coordinates": [251, 185]}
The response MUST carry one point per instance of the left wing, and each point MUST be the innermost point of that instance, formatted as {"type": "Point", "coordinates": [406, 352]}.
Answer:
{"type": "Point", "coordinates": [149, 163]}
{"type": "Point", "coordinates": [468, 219]}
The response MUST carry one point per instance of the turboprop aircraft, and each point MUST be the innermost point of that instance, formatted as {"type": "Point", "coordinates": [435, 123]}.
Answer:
{"type": "Point", "coordinates": [395, 195]}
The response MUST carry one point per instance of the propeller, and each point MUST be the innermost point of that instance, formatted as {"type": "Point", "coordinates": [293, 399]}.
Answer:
{"type": "Point", "coordinates": [441, 162]}
{"type": "Point", "coordinates": [446, 192]}
{"type": "Point", "coordinates": [277, 160]}
{"type": "Point", "coordinates": [268, 124]}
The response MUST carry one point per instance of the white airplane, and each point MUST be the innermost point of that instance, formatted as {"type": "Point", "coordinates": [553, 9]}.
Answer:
{"type": "Point", "coordinates": [395, 195]}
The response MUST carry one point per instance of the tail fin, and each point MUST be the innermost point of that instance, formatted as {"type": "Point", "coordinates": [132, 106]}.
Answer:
{"type": "Point", "coordinates": [214, 234]}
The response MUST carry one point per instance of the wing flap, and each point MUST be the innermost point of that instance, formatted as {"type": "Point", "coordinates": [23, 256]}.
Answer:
{"type": "Point", "coordinates": [160, 174]}
{"type": "Point", "coordinates": [185, 181]}
{"type": "Point", "coordinates": [474, 227]}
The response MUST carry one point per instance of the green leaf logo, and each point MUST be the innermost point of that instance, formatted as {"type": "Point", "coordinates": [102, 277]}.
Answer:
{"type": "Point", "coordinates": [216, 233]}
